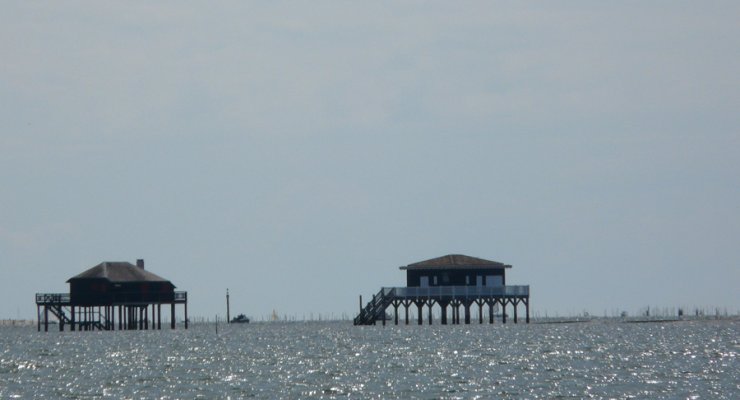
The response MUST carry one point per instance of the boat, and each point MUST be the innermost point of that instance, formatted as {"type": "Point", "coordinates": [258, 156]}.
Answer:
{"type": "Point", "coordinates": [240, 319]}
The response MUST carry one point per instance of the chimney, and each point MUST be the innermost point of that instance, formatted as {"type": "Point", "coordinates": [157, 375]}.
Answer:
{"type": "Point", "coordinates": [140, 263]}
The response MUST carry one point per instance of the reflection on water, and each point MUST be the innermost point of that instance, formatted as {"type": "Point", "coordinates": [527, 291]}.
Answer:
{"type": "Point", "coordinates": [337, 360]}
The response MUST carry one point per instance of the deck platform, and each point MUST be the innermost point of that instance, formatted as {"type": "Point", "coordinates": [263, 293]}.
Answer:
{"type": "Point", "coordinates": [456, 297]}
{"type": "Point", "coordinates": [132, 310]}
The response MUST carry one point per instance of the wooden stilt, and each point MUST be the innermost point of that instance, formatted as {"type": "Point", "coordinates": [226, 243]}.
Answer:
{"type": "Point", "coordinates": [60, 314]}
{"type": "Point", "coordinates": [455, 311]}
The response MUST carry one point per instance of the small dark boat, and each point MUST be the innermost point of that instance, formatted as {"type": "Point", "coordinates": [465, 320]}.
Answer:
{"type": "Point", "coordinates": [240, 319]}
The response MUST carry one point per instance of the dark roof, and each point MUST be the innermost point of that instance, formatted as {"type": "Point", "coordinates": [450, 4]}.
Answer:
{"type": "Point", "coordinates": [456, 261]}
{"type": "Point", "coordinates": [119, 271]}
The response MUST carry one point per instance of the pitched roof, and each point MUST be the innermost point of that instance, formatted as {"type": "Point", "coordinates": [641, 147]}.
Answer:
{"type": "Point", "coordinates": [456, 261]}
{"type": "Point", "coordinates": [119, 271]}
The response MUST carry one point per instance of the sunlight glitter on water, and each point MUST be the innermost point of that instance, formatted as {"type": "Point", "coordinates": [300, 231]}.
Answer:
{"type": "Point", "coordinates": [338, 360]}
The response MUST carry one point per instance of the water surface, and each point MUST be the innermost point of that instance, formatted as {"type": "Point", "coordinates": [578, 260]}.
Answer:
{"type": "Point", "coordinates": [681, 360]}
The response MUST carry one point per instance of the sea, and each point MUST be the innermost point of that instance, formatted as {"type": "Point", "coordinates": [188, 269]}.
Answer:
{"type": "Point", "coordinates": [603, 359]}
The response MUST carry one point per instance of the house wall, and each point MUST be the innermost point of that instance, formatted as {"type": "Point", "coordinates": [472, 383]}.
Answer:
{"type": "Point", "coordinates": [454, 277]}
{"type": "Point", "coordinates": [103, 292]}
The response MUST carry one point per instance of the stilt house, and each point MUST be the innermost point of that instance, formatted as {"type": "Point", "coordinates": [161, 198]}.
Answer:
{"type": "Point", "coordinates": [456, 281]}
{"type": "Point", "coordinates": [111, 288]}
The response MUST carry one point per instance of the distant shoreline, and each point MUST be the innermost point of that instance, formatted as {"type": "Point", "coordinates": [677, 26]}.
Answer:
{"type": "Point", "coordinates": [632, 320]}
{"type": "Point", "coordinates": [535, 321]}
{"type": "Point", "coordinates": [17, 322]}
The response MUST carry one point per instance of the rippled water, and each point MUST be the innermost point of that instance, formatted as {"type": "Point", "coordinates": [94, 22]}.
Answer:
{"type": "Point", "coordinates": [336, 360]}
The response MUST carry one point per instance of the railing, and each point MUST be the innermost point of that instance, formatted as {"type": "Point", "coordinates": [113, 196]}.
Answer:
{"type": "Point", "coordinates": [113, 298]}
{"type": "Point", "coordinates": [52, 298]}
{"type": "Point", "coordinates": [181, 297]}
{"type": "Point", "coordinates": [460, 291]}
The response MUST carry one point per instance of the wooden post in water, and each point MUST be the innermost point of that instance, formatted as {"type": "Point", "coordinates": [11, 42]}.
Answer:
{"type": "Point", "coordinates": [480, 310]}
{"type": "Point", "coordinates": [228, 314]}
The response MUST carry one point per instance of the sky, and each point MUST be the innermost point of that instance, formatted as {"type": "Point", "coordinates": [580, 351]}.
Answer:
{"type": "Point", "coordinates": [298, 153]}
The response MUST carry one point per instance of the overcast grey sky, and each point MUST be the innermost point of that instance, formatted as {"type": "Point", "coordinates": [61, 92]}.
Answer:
{"type": "Point", "coordinates": [299, 152]}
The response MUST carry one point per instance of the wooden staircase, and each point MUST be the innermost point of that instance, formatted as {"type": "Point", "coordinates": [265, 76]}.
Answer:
{"type": "Point", "coordinates": [97, 320]}
{"type": "Point", "coordinates": [375, 308]}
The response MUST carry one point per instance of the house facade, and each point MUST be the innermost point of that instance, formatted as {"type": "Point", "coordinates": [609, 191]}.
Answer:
{"type": "Point", "coordinates": [456, 270]}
